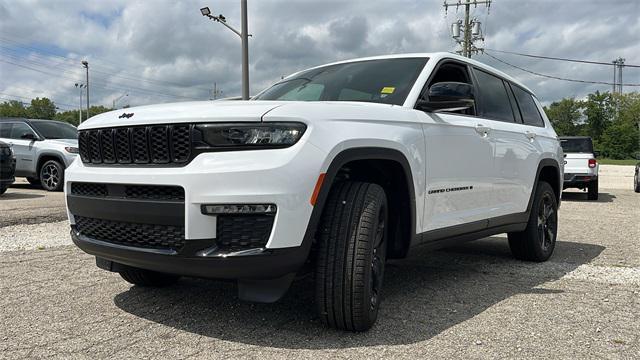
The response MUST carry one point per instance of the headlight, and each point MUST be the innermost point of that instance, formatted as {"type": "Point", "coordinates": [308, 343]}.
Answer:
{"type": "Point", "coordinates": [247, 136]}
{"type": "Point", "coordinates": [72, 150]}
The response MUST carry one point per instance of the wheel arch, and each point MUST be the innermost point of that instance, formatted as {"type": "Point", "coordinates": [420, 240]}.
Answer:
{"type": "Point", "coordinates": [402, 199]}
{"type": "Point", "coordinates": [549, 171]}
{"type": "Point", "coordinates": [46, 156]}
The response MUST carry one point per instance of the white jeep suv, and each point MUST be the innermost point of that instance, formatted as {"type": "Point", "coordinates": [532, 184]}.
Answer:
{"type": "Point", "coordinates": [334, 169]}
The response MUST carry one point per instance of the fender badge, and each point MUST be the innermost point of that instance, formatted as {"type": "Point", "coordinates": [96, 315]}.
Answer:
{"type": "Point", "coordinates": [125, 115]}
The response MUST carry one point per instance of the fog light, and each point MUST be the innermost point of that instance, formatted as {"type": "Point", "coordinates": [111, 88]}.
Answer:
{"type": "Point", "coordinates": [239, 209]}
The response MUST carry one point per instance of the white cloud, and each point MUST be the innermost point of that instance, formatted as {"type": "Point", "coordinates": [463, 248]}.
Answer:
{"type": "Point", "coordinates": [160, 51]}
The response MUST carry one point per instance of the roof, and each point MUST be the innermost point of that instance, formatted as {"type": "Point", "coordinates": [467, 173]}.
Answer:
{"type": "Point", "coordinates": [435, 56]}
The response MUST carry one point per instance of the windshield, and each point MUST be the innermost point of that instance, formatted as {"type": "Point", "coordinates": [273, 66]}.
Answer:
{"type": "Point", "coordinates": [577, 145]}
{"type": "Point", "coordinates": [386, 81]}
{"type": "Point", "coordinates": [56, 129]}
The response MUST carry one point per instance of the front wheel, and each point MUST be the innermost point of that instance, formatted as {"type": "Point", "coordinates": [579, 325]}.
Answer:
{"type": "Point", "coordinates": [537, 241]}
{"type": "Point", "coordinates": [3, 189]}
{"type": "Point", "coordinates": [52, 176]}
{"type": "Point", "coordinates": [351, 256]}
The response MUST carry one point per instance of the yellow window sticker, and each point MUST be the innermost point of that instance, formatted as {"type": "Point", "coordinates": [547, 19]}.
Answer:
{"type": "Point", "coordinates": [387, 90]}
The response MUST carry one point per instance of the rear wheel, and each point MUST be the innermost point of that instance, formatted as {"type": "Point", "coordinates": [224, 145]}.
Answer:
{"type": "Point", "coordinates": [636, 181]}
{"type": "Point", "coordinates": [148, 278]}
{"type": "Point", "coordinates": [592, 193]}
{"type": "Point", "coordinates": [3, 189]}
{"type": "Point", "coordinates": [351, 256]}
{"type": "Point", "coordinates": [537, 241]}
{"type": "Point", "coordinates": [52, 175]}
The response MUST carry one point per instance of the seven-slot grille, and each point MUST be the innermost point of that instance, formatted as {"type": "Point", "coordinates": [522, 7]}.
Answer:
{"type": "Point", "coordinates": [157, 144]}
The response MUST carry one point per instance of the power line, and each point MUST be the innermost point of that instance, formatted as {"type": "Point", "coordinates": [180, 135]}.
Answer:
{"type": "Point", "coordinates": [560, 59]}
{"type": "Point", "coordinates": [108, 87]}
{"type": "Point", "coordinates": [28, 98]}
{"type": "Point", "coordinates": [555, 77]}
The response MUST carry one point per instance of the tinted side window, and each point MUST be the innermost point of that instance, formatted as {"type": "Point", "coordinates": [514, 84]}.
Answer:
{"type": "Point", "coordinates": [528, 108]}
{"type": "Point", "coordinates": [20, 129]}
{"type": "Point", "coordinates": [5, 129]}
{"type": "Point", "coordinates": [493, 97]}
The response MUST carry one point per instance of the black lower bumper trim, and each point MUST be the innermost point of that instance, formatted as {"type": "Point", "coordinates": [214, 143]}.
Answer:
{"type": "Point", "coordinates": [268, 264]}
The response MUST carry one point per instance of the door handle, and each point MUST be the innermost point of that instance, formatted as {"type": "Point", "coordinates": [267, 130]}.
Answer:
{"type": "Point", "coordinates": [483, 130]}
{"type": "Point", "coordinates": [530, 135]}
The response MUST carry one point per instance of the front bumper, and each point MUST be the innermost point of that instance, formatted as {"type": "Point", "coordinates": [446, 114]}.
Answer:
{"type": "Point", "coordinates": [192, 261]}
{"type": "Point", "coordinates": [283, 177]}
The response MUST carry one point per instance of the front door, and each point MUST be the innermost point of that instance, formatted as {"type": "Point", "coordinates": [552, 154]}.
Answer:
{"type": "Point", "coordinates": [23, 149]}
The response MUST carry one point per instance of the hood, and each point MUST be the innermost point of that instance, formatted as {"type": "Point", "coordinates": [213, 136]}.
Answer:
{"type": "Point", "coordinates": [63, 142]}
{"type": "Point", "coordinates": [184, 112]}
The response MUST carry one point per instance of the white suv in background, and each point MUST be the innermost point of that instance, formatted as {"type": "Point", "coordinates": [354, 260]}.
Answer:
{"type": "Point", "coordinates": [580, 165]}
{"type": "Point", "coordinates": [333, 170]}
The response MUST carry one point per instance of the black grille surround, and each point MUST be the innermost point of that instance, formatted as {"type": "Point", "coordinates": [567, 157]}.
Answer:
{"type": "Point", "coordinates": [149, 236]}
{"type": "Point", "coordinates": [240, 232]}
{"type": "Point", "coordinates": [154, 145]}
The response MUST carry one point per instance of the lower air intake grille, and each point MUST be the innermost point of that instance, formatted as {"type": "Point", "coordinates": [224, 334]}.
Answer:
{"type": "Point", "coordinates": [149, 236]}
{"type": "Point", "coordinates": [243, 231]}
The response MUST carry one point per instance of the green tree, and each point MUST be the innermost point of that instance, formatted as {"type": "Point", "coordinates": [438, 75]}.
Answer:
{"type": "Point", "coordinates": [620, 140]}
{"type": "Point", "coordinates": [565, 116]}
{"type": "Point", "coordinates": [42, 108]}
{"type": "Point", "coordinates": [599, 111]}
{"type": "Point", "coordinates": [71, 116]}
{"type": "Point", "coordinates": [13, 109]}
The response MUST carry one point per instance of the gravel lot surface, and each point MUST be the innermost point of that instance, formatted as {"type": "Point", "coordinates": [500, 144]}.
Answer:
{"type": "Point", "coordinates": [471, 301]}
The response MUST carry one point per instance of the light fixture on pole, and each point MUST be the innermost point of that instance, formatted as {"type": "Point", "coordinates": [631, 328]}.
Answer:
{"type": "Point", "coordinates": [80, 86]}
{"type": "Point", "coordinates": [86, 66]}
{"type": "Point", "coordinates": [244, 36]}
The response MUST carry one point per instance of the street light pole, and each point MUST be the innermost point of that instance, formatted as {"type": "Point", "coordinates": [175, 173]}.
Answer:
{"type": "Point", "coordinates": [244, 36]}
{"type": "Point", "coordinates": [86, 66]}
{"type": "Point", "coordinates": [80, 86]}
{"type": "Point", "coordinates": [245, 51]}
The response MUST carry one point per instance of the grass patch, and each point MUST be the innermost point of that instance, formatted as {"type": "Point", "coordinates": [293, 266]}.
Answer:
{"type": "Point", "coordinates": [632, 162]}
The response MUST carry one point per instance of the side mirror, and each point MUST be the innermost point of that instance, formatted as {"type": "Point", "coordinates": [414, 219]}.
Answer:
{"type": "Point", "coordinates": [29, 136]}
{"type": "Point", "coordinates": [448, 96]}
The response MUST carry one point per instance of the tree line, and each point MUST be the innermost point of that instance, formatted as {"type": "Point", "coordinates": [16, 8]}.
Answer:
{"type": "Point", "coordinates": [44, 108]}
{"type": "Point", "coordinates": [611, 120]}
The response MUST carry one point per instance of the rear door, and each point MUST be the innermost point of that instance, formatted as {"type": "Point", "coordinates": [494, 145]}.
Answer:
{"type": "Point", "coordinates": [517, 145]}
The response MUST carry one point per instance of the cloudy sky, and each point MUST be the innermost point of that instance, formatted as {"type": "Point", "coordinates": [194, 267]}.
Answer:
{"type": "Point", "coordinates": [162, 51]}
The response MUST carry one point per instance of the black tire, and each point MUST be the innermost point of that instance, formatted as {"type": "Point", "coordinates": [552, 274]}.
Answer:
{"type": "Point", "coordinates": [537, 241]}
{"type": "Point", "coordinates": [592, 192]}
{"type": "Point", "coordinates": [636, 181]}
{"type": "Point", "coordinates": [34, 181]}
{"type": "Point", "coordinates": [148, 278]}
{"type": "Point", "coordinates": [3, 189]}
{"type": "Point", "coordinates": [351, 256]}
{"type": "Point", "coordinates": [52, 175]}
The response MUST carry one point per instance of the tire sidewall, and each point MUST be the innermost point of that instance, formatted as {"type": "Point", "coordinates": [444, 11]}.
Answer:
{"type": "Point", "coordinates": [373, 312]}
{"type": "Point", "coordinates": [60, 168]}
{"type": "Point", "coordinates": [543, 189]}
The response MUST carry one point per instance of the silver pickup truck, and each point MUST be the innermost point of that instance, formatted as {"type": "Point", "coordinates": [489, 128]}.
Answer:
{"type": "Point", "coordinates": [580, 165]}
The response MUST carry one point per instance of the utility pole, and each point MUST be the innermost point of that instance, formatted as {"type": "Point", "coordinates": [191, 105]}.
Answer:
{"type": "Point", "coordinates": [471, 28]}
{"type": "Point", "coordinates": [80, 86]}
{"type": "Point", "coordinates": [244, 36]}
{"type": "Point", "coordinates": [86, 66]}
{"type": "Point", "coordinates": [216, 92]}
{"type": "Point", "coordinates": [618, 64]}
